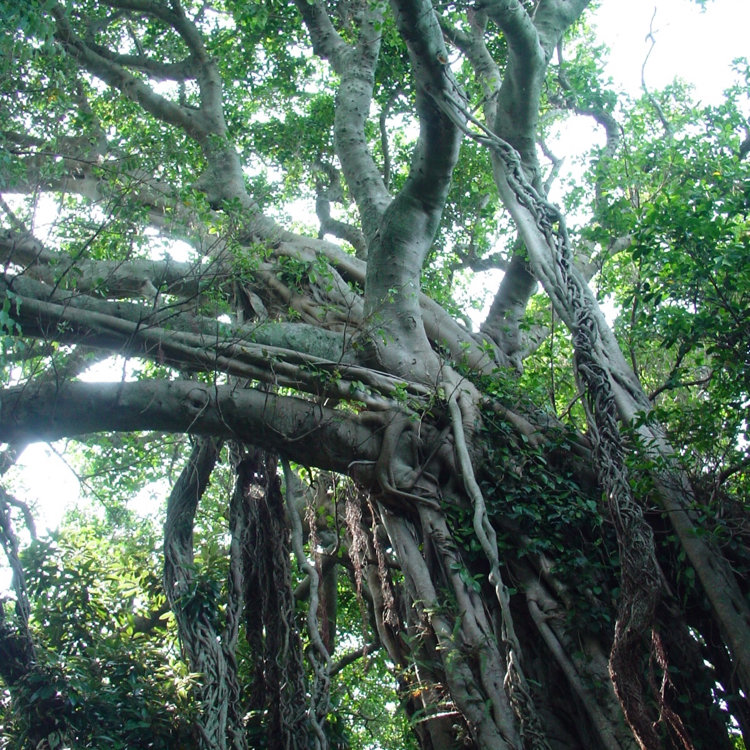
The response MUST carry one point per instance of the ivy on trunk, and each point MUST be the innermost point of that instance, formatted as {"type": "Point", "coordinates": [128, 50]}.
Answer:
{"type": "Point", "coordinates": [379, 523]}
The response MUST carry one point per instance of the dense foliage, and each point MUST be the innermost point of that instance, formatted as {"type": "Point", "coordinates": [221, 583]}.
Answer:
{"type": "Point", "coordinates": [318, 508]}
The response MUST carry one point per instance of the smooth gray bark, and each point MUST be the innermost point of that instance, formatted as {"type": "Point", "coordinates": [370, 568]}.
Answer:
{"type": "Point", "coordinates": [306, 432]}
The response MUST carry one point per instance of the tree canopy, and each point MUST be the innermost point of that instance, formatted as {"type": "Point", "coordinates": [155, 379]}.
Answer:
{"type": "Point", "coordinates": [376, 523]}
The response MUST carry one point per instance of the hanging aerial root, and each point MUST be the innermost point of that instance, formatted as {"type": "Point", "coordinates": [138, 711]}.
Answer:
{"type": "Point", "coordinates": [320, 659]}
{"type": "Point", "coordinates": [17, 653]}
{"type": "Point", "coordinates": [390, 616]}
{"type": "Point", "coordinates": [194, 606]}
{"type": "Point", "coordinates": [9, 542]}
{"type": "Point", "coordinates": [278, 688]}
{"type": "Point", "coordinates": [666, 714]}
{"type": "Point", "coordinates": [515, 680]}
{"type": "Point", "coordinates": [358, 543]}
{"type": "Point", "coordinates": [641, 579]}
{"type": "Point", "coordinates": [641, 583]}
{"type": "Point", "coordinates": [358, 551]}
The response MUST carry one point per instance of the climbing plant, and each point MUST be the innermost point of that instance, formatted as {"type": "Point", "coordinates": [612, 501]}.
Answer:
{"type": "Point", "coordinates": [322, 505]}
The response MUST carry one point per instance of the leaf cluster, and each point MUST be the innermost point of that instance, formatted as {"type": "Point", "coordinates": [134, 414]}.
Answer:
{"type": "Point", "coordinates": [107, 671]}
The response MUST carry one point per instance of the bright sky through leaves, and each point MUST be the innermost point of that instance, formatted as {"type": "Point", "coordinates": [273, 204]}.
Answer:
{"type": "Point", "coordinates": [680, 29]}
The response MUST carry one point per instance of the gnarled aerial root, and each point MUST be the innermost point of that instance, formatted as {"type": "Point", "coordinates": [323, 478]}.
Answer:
{"type": "Point", "coordinates": [278, 691]}
{"type": "Point", "coordinates": [205, 648]}
{"type": "Point", "coordinates": [491, 722]}
{"type": "Point", "coordinates": [16, 645]}
{"type": "Point", "coordinates": [461, 413]}
{"type": "Point", "coordinates": [641, 578]}
{"type": "Point", "coordinates": [666, 714]}
{"type": "Point", "coordinates": [318, 656]}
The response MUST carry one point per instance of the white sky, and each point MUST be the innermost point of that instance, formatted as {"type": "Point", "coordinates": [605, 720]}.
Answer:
{"type": "Point", "coordinates": [694, 45]}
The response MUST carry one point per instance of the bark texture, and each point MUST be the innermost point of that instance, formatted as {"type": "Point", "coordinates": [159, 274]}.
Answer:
{"type": "Point", "coordinates": [286, 348]}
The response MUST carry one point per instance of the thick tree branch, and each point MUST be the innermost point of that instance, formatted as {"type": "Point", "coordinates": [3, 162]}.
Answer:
{"type": "Point", "coordinates": [169, 337]}
{"type": "Point", "coordinates": [356, 67]}
{"type": "Point", "coordinates": [503, 321]}
{"type": "Point", "coordinates": [306, 432]}
{"type": "Point", "coordinates": [518, 99]}
{"type": "Point", "coordinates": [171, 14]}
{"type": "Point", "coordinates": [154, 69]}
{"type": "Point", "coordinates": [327, 194]}
{"type": "Point", "coordinates": [473, 45]}
{"type": "Point", "coordinates": [601, 116]}
{"type": "Point", "coordinates": [223, 179]}
{"type": "Point", "coordinates": [204, 68]}
{"type": "Point", "coordinates": [531, 44]}
{"type": "Point", "coordinates": [110, 278]}
{"type": "Point", "coordinates": [203, 642]}
{"type": "Point", "coordinates": [326, 41]}
{"type": "Point", "coordinates": [192, 121]}
{"type": "Point", "coordinates": [441, 328]}
{"type": "Point", "coordinates": [408, 227]}
{"type": "Point", "coordinates": [352, 656]}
